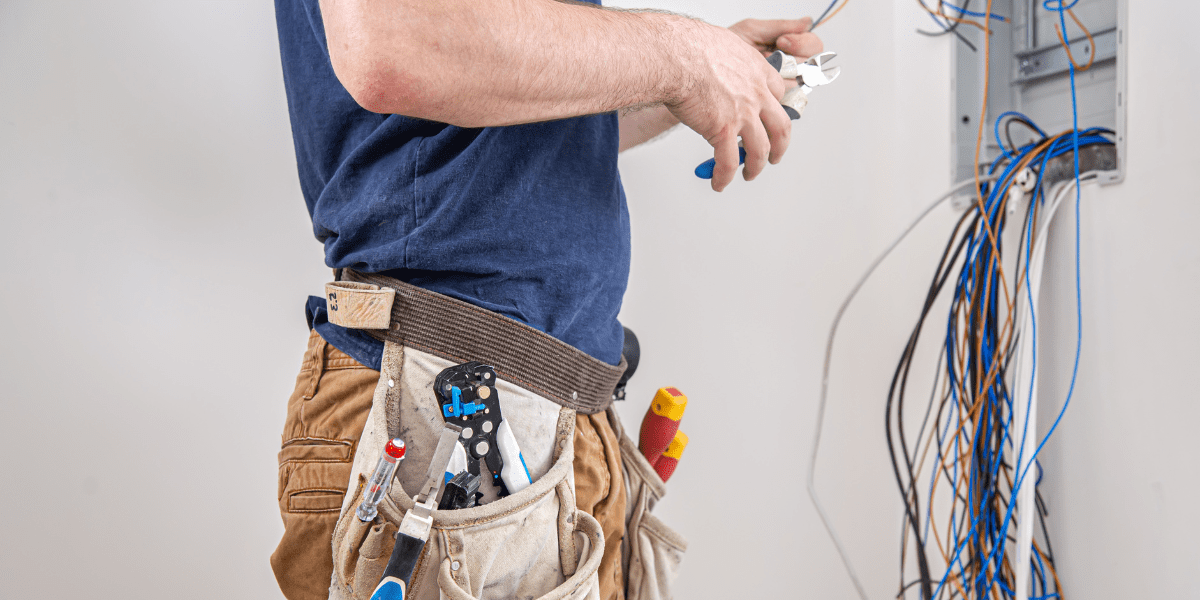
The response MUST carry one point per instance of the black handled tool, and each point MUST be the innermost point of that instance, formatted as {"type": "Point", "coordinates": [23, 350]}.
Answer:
{"type": "Point", "coordinates": [414, 528]}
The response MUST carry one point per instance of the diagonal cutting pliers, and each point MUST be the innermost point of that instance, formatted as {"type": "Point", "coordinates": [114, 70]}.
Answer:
{"type": "Point", "coordinates": [810, 74]}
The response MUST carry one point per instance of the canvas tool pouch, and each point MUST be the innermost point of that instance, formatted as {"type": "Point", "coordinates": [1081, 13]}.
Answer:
{"type": "Point", "coordinates": [531, 544]}
{"type": "Point", "coordinates": [651, 552]}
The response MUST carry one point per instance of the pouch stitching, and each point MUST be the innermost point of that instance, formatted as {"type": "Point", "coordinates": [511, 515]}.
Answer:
{"type": "Point", "coordinates": [490, 518]}
{"type": "Point", "coordinates": [652, 529]}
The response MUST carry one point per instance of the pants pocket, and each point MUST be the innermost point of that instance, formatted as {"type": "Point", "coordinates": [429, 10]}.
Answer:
{"type": "Point", "coordinates": [325, 415]}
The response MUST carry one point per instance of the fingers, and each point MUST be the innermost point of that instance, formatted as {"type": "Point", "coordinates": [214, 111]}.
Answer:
{"type": "Point", "coordinates": [778, 128]}
{"type": "Point", "coordinates": [764, 34]}
{"type": "Point", "coordinates": [757, 145]}
{"type": "Point", "coordinates": [801, 45]}
{"type": "Point", "coordinates": [777, 27]}
{"type": "Point", "coordinates": [775, 84]}
{"type": "Point", "coordinates": [725, 151]}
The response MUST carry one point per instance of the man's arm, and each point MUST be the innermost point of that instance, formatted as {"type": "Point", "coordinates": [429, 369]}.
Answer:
{"type": "Point", "coordinates": [791, 36]}
{"type": "Point", "coordinates": [641, 125]}
{"type": "Point", "coordinates": [504, 62]}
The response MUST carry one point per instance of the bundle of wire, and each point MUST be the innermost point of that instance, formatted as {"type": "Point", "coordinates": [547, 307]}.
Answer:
{"type": "Point", "coordinates": [971, 442]}
{"type": "Point", "coordinates": [948, 22]}
{"type": "Point", "coordinates": [976, 441]}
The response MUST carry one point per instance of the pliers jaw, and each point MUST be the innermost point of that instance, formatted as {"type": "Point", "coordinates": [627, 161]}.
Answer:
{"type": "Point", "coordinates": [809, 74]}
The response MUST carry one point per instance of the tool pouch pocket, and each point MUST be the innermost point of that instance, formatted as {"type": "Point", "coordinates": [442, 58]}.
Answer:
{"type": "Point", "coordinates": [651, 552]}
{"type": "Point", "coordinates": [531, 544]}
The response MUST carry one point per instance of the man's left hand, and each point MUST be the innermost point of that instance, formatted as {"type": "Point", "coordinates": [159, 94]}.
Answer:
{"type": "Point", "coordinates": [790, 35]}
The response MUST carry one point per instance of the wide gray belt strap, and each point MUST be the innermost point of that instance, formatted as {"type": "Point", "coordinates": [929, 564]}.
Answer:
{"type": "Point", "coordinates": [458, 331]}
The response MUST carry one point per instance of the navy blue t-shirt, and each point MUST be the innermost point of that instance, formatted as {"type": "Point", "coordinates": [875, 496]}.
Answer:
{"type": "Point", "coordinates": [529, 221]}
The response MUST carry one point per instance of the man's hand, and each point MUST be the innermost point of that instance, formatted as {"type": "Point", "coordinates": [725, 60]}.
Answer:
{"type": "Point", "coordinates": [790, 35]}
{"type": "Point", "coordinates": [505, 62]}
{"type": "Point", "coordinates": [732, 92]}
{"type": "Point", "coordinates": [765, 36]}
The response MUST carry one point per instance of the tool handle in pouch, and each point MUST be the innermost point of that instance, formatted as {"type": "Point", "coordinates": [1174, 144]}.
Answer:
{"type": "Point", "coordinates": [399, 568]}
{"type": "Point", "coordinates": [516, 472]}
{"type": "Point", "coordinates": [705, 169]}
{"type": "Point", "coordinates": [410, 540]}
{"type": "Point", "coordinates": [665, 467]}
{"type": "Point", "coordinates": [661, 423]}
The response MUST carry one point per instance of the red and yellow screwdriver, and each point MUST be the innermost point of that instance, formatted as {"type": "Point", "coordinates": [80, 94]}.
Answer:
{"type": "Point", "coordinates": [660, 440]}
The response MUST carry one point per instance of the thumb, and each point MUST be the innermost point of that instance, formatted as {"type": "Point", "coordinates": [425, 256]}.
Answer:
{"type": "Point", "coordinates": [800, 45]}
{"type": "Point", "coordinates": [780, 27]}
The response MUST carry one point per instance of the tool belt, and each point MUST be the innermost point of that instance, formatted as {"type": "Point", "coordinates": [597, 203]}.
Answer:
{"type": "Point", "coordinates": [393, 311]}
{"type": "Point", "coordinates": [533, 543]}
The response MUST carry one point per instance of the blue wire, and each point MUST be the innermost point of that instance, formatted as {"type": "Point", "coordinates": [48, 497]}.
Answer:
{"type": "Point", "coordinates": [996, 396]}
{"type": "Point", "coordinates": [1057, 6]}
{"type": "Point", "coordinates": [823, 15]}
{"type": "Point", "coordinates": [996, 132]}
{"type": "Point", "coordinates": [975, 14]}
{"type": "Point", "coordinates": [1078, 282]}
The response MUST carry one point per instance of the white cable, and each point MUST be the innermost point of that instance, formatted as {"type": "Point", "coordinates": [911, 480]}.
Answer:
{"type": "Point", "coordinates": [812, 465]}
{"type": "Point", "coordinates": [1025, 413]}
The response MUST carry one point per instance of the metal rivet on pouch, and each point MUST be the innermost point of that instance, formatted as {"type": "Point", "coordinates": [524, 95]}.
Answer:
{"type": "Point", "coordinates": [454, 566]}
{"type": "Point", "coordinates": [574, 395]}
{"type": "Point", "coordinates": [391, 383]}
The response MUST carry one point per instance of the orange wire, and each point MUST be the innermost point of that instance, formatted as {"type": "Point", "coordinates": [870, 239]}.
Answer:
{"type": "Point", "coordinates": [941, 13]}
{"type": "Point", "coordinates": [969, 410]}
{"type": "Point", "coordinates": [1067, 47]}
{"type": "Point", "coordinates": [831, 15]}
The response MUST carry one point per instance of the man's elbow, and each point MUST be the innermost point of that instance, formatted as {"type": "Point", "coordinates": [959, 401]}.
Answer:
{"type": "Point", "coordinates": [378, 85]}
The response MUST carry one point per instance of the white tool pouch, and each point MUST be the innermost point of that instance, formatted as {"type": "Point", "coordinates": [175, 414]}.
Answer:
{"type": "Point", "coordinates": [531, 544]}
{"type": "Point", "coordinates": [651, 552]}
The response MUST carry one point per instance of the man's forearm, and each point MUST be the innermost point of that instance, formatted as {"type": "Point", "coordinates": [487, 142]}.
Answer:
{"type": "Point", "coordinates": [642, 125]}
{"type": "Point", "coordinates": [504, 61]}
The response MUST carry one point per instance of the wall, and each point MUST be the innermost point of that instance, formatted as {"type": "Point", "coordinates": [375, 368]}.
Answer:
{"type": "Point", "coordinates": [158, 253]}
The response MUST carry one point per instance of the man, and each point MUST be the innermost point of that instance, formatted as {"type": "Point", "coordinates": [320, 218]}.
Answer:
{"type": "Point", "coordinates": [470, 149]}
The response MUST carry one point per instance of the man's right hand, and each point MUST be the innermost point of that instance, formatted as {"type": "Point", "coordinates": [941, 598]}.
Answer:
{"type": "Point", "coordinates": [728, 90]}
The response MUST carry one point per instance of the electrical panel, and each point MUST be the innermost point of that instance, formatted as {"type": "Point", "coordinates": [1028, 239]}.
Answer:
{"type": "Point", "coordinates": [1029, 73]}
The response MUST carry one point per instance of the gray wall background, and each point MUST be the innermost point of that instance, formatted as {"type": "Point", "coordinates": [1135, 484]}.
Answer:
{"type": "Point", "coordinates": [156, 255]}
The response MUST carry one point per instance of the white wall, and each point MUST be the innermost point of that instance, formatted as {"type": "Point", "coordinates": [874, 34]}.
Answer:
{"type": "Point", "coordinates": [157, 255]}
